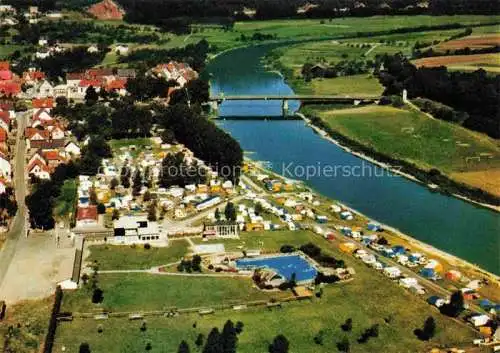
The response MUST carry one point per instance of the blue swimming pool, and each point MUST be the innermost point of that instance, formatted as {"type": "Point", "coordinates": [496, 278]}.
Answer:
{"type": "Point", "coordinates": [284, 265]}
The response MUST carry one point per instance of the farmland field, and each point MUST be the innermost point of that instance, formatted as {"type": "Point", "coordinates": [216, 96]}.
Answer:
{"type": "Point", "coordinates": [472, 42]}
{"type": "Point", "coordinates": [368, 299]}
{"type": "Point", "coordinates": [489, 62]}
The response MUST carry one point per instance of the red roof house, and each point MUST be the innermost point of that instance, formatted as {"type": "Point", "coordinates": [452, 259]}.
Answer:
{"type": "Point", "coordinates": [86, 215]}
{"type": "Point", "coordinates": [3, 135]}
{"type": "Point", "coordinates": [43, 103]}
{"type": "Point", "coordinates": [4, 65]}
{"type": "Point", "coordinates": [9, 88]}
{"type": "Point", "coordinates": [107, 10]}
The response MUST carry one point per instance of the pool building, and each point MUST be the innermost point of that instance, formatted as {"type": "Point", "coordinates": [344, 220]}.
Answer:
{"type": "Point", "coordinates": [281, 268]}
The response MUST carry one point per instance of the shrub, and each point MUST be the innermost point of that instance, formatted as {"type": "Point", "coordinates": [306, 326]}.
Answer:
{"type": "Point", "coordinates": [147, 246]}
{"type": "Point", "coordinates": [287, 248]}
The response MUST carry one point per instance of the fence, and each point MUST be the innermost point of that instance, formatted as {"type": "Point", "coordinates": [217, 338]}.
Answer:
{"type": "Point", "coordinates": [51, 332]}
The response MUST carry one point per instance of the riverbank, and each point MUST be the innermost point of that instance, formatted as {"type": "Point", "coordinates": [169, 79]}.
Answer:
{"type": "Point", "coordinates": [397, 237]}
{"type": "Point", "coordinates": [410, 171]}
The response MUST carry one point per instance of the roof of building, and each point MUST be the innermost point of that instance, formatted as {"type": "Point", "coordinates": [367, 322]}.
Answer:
{"type": "Point", "coordinates": [116, 84]}
{"type": "Point", "coordinates": [43, 103]}
{"type": "Point", "coordinates": [3, 135]}
{"type": "Point", "coordinates": [31, 131]}
{"type": "Point", "coordinates": [40, 164]}
{"type": "Point", "coordinates": [33, 75]}
{"type": "Point", "coordinates": [87, 213]}
{"type": "Point", "coordinates": [10, 87]}
{"type": "Point", "coordinates": [4, 65]}
{"type": "Point", "coordinates": [89, 82]}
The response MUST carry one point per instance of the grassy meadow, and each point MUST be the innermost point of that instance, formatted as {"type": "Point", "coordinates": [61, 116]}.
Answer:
{"type": "Point", "coordinates": [414, 137]}
{"type": "Point", "coordinates": [118, 257]}
{"type": "Point", "coordinates": [369, 299]}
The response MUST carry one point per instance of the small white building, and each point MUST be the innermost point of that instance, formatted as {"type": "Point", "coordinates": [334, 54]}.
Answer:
{"type": "Point", "coordinates": [121, 49]}
{"type": "Point", "coordinates": [72, 149]}
{"type": "Point", "coordinates": [138, 230]}
{"type": "Point", "coordinates": [479, 320]}
{"type": "Point", "coordinates": [392, 272]}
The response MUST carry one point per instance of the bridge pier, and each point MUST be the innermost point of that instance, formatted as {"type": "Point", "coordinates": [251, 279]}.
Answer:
{"type": "Point", "coordinates": [284, 107]}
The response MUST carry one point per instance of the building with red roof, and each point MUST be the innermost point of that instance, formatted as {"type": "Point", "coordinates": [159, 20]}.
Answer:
{"type": "Point", "coordinates": [6, 75]}
{"type": "Point", "coordinates": [3, 135]}
{"type": "Point", "coordinates": [43, 103]}
{"type": "Point", "coordinates": [86, 216]}
{"type": "Point", "coordinates": [107, 10]}
{"type": "Point", "coordinates": [10, 88]}
{"type": "Point", "coordinates": [4, 65]}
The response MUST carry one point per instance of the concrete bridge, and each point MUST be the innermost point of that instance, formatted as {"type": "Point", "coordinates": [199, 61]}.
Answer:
{"type": "Point", "coordinates": [215, 101]}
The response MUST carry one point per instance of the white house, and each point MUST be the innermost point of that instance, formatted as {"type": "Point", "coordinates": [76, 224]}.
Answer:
{"type": "Point", "coordinates": [42, 54]}
{"type": "Point", "coordinates": [93, 49]}
{"type": "Point", "coordinates": [479, 320]}
{"type": "Point", "coordinates": [5, 168]}
{"type": "Point", "coordinates": [45, 90]}
{"type": "Point", "coordinates": [121, 49]}
{"type": "Point", "coordinates": [392, 272]}
{"type": "Point", "coordinates": [72, 149]}
{"type": "Point", "coordinates": [138, 230]}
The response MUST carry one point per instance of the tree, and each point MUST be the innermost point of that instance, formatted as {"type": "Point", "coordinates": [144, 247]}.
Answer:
{"type": "Point", "coordinates": [115, 215]}
{"type": "Point", "coordinates": [230, 212]}
{"type": "Point", "coordinates": [84, 348]}
{"type": "Point", "coordinates": [258, 208]}
{"type": "Point", "coordinates": [91, 96]}
{"type": "Point", "coordinates": [455, 306]}
{"type": "Point", "coordinates": [239, 327]}
{"type": "Point", "coordinates": [183, 348]}
{"type": "Point", "coordinates": [101, 208]}
{"type": "Point", "coordinates": [429, 329]}
{"type": "Point", "coordinates": [196, 263]}
{"type": "Point", "coordinates": [199, 340]}
{"type": "Point", "coordinates": [217, 214]}
{"type": "Point", "coordinates": [125, 177]}
{"type": "Point", "coordinates": [137, 183]}
{"type": "Point", "coordinates": [167, 136]}
{"type": "Point", "coordinates": [280, 344]}
{"type": "Point", "coordinates": [229, 338]}
{"type": "Point", "coordinates": [214, 343]}
{"type": "Point", "coordinates": [152, 212]}
{"type": "Point", "coordinates": [113, 183]}
{"type": "Point", "coordinates": [97, 296]}
{"type": "Point", "coordinates": [318, 339]}
{"type": "Point", "coordinates": [344, 345]}
{"type": "Point", "coordinates": [144, 326]}
{"type": "Point", "coordinates": [347, 325]}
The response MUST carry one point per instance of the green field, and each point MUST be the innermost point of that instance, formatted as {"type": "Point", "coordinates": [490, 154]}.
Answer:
{"type": "Point", "coordinates": [118, 257]}
{"type": "Point", "coordinates": [370, 298]}
{"type": "Point", "coordinates": [146, 292]}
{"type": "Point", "coordinates": [267, 241]}
{"type": "Point", "coordinates": [412, 136]}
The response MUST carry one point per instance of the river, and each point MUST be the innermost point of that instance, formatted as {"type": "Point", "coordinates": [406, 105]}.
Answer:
{"type": "Point", "coordinates": [447, 223]}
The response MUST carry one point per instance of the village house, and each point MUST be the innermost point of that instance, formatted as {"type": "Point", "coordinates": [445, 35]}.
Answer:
{"type": "Point", "coordinates": [121, 49]}
{"type": "Point", "coordinates": [5, 168]}
{"type": "Point", "coordinates": [87, 216]}
{"type": "Point", "coordinates": [32, 76]}
{"type": "Point", "coordinates": [93, 49]}
{"type": "Point", "coordinates": [72, 149]}
{"type": "Point", "coordinates": [39, 168]}
{"type": "Point", "coordinates": [44, 90]}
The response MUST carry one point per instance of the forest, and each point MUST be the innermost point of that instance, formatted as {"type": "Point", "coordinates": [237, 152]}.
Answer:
{"type": "Point", "coordinates": [477, 94]}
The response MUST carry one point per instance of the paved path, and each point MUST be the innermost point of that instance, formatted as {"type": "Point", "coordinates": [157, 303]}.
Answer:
{"type": "Point", "coordinates": [18, 226]}
{"type": "Point", "coordinates": [371, 49]}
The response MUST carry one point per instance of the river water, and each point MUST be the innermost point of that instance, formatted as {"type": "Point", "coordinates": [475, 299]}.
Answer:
{"type": "Point", "coordinates": [447, 223]}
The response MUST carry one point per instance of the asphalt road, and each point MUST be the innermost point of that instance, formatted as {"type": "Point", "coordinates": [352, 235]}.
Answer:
{"type": "Point", "coordinates": [18, 227]}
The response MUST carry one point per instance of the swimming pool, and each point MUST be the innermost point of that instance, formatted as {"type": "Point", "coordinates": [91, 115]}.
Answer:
{"type": "Point", "coordinates": [284, 265]}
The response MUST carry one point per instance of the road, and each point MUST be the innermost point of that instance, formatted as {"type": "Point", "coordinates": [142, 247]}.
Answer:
{"type": "Point", "coordinates": [18, 227]}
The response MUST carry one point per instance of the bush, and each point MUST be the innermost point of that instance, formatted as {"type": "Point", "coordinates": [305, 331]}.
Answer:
{"type": "Point", "coordinates": [287, 248]}
{"type": "Point", "coordinates": [347, 325]}
{"type": "Point", "coordinates": [147, 246]}
{"type": "Point", "coordinates": [97, 296]}
{"type": "Point", "coordinates": [397, 101]}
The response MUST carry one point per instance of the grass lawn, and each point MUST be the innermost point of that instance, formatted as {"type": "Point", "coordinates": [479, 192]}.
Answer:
{"type": "Point", "coordinates": [368, 299]}
{"type": "Point", "coordinates": [118, 257]}
{"type": "Point", "coordinates": [66, 201]}
{"type": "Point", "coordinates": [414, 137]}
{"type": "Point", "coordinates": [144, 292]}
{"type": "Point", "coordinates": [268, 241]}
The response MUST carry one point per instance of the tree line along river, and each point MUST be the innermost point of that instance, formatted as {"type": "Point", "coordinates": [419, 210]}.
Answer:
{"type": "Point", "coordinates": [291, 148]}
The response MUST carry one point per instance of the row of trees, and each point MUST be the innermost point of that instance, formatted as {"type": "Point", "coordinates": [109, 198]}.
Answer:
{"type": "Point", "coordinates": [8, 206]}
{"type": "Point", "coordinates": [208, 142]}
{"type": "Point", "coordinates": [476, 93]}
{"type": "Point", "coordinates": [194, 55]}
